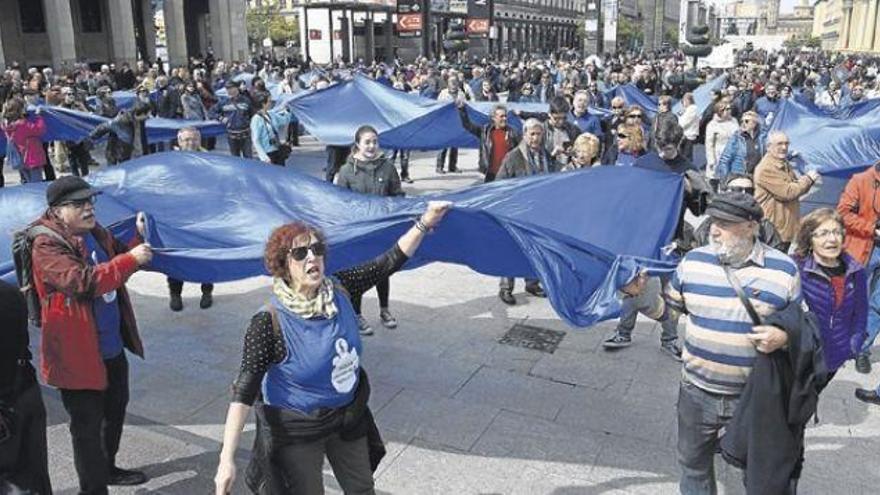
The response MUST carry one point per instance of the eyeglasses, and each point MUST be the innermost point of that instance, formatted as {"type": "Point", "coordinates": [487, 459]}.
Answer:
{"type": "Point", "coordinates": [726, 109]}
{"type": "Point", "coordinates": [80, 203]}
{"type": "Point", "coordinates": [299, 253]}
{"type": "Point", "coordinates": [747, 190]}
{"type": "Point", "coordinates": [613, 107]}
{"type": "Point", "coordinates": [823, 234]}
{"type": "Point", "coordinates": [635, 115]}
{"type": "Point", "coordinates": [621, 135]}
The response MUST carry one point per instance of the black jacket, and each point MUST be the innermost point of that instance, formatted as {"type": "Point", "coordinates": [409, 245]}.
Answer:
{"type": "Point", "coordinates": [766, 434]}
{"type": "Point", "coordinates": [16, 372]}
{"type": "Point", "coordinates": [484, 135]}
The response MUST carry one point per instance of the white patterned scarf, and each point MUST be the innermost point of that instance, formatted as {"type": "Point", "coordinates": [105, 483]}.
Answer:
{"type": "Point", "coordinates": [320, 306]}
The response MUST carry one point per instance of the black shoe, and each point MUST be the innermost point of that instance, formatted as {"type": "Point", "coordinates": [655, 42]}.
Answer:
{"type": "Point", "coordinates": [536, 291]}
{"type": "Point", "coordinates": [206, 301]}
{"type": "Point", "coordinates": [507, 297]}
{"type": "Point", "coordinates": [869, 396]}
{"type": "Point", "coordinates": [176, 303]}
{"type": "Point", "coordinates": [124, 477]}
{"type": "Point", "coordinates": [454, 171]}
{"type": "Point", "coordinates": [672, 349]}
{"type": "Point", "coordinates": [863, 363]}
{"type": "Point", "coordinates": [617, 341]}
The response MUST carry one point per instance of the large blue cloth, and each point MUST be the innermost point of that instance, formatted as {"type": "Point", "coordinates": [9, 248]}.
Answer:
{"type": "Point", "coordinates": [581, 233]}
{"type": "Point", "coordinates": [63, 124]}
{"type": "Point", "coordinates": [836, 142]}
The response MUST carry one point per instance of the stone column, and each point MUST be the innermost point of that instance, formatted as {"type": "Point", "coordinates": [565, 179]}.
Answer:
{"type": "Point", "coordinates": [149, 27]}
{"type": "Point", "coordinates": [59, 25]}
{"type": "Point", "coordinates": [238, 40]}
{"type": "Point", "coordinates": [870, 29]}
{"type": "Point", "coordinates": [2, 54]}
{"type": "Point", "coordinates": [175, 33]}
{"type": "Point", "coordinates": [122, 31]}
{"type": "Point", "coordinates": [220, 41]}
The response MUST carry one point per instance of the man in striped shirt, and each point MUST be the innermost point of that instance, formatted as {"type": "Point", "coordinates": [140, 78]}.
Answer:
{"type": "Point", "coordinates": [721, 340]}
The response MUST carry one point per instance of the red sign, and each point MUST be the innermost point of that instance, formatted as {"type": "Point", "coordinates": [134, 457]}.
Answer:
{"type": "Point", "coordinates": [409, 22]}
{"type": "Point", "coordinates": [314, 34]}
{"type": "Point", "coordinates": [477, 26]}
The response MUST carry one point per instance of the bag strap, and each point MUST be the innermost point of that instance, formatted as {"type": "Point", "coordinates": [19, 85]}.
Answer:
{"type": "Point", "coordinates": [268, 122]}
{"type": "Point", "coordinates": [273, 314]}
{"type": "Point", "coordinates": [737, 287]}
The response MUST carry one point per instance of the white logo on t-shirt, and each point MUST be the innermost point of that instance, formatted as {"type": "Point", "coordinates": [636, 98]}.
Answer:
{"type": "Point", "coordinates": [345, 367]}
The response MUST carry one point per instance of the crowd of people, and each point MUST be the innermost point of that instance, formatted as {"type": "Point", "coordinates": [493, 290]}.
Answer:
{"type": "Point", "coordinates": [746, 273]}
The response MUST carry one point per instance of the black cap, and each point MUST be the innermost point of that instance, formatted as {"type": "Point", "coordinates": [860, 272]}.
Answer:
{"type": "Point", "coordinates": [231, 84]}
{"type": "Point", "coordinates": [735, 207]}
{"type": "Point", "coordinates": [68, 188]}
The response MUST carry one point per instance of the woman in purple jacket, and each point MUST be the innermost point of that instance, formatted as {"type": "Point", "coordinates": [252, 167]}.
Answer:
{"type": "Point", "coordinates": [834, 286]}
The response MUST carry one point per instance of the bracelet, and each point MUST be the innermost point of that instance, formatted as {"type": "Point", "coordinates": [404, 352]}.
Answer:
{"type": "Point", "coordinates": [422, 227]}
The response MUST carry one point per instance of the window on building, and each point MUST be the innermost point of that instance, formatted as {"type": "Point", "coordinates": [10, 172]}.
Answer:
{"type": "Point", "coordinates": [90, 16]}
{"type": "Point", "coordinates": [32, 18]}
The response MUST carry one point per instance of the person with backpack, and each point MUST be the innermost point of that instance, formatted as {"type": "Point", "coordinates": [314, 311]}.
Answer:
{"type": "Point", "coordinates": [302, 360]}
{"type": "Point", "coordinates": [78, 271]}
{"type": "Point", "coordinates": [23, 451]}
{"type": "Point", "coordinates": [24, 144]}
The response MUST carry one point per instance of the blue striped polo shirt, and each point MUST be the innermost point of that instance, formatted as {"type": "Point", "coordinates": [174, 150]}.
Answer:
{"type": "Point", "coordinates": [717, 354]}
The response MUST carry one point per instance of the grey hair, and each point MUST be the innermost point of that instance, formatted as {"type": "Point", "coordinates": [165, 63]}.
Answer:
{"type": "Point", "coordinates": [532, 123]}
{"type": "Point", "coordinates": [775, 134]}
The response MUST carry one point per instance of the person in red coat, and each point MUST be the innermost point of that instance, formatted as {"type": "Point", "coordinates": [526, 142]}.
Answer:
{"type": "Point", "coordinates": [859, 206]}
{"type": "Point", "coordinates": [79, 272]}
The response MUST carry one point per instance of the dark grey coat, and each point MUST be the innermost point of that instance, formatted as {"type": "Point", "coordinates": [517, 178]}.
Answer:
{"type": "Point", "coordinates": [377, 177]}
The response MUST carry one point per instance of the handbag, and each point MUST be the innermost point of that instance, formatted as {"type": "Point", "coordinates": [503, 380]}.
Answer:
{"type": "Point", "coordinates": [13, 156]}
{"type": "Point", "coordinates": [284, 149]}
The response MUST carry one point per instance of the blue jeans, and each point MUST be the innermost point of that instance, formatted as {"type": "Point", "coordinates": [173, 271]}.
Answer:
{"type": "Point", "coordinates": [873, 300]}
{"type": "Point", "coordinates": [31, 174]}
{"type": "Point", "coordinates": [701, 416]}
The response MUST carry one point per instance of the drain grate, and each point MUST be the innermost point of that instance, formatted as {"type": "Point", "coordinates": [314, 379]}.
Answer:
{"type": "Point", "coordinates": [531, 337]}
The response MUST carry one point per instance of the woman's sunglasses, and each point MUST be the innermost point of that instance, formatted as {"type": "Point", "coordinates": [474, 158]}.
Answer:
{"type": "Point", "coordinates": [300, 253]}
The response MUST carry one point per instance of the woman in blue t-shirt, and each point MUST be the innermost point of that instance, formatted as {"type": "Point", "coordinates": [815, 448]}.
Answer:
{"type": "Point", "coordinates": [302, 356]}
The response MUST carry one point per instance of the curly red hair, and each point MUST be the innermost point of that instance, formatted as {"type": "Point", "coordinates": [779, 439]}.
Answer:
{"type": "Point", "coordinates": [280, 241]}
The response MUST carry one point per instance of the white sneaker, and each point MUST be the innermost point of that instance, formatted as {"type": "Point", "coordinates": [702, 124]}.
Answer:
{"type": "Point", "coordinates": [363, 327]}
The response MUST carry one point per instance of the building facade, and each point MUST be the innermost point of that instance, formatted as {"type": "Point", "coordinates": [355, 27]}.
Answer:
{"type": "Point", "coordinates": [59, 33]}
{"type": "Point", "coordinates": [848, 25]}
{"type": "Point", "coordinates": [369, 29]}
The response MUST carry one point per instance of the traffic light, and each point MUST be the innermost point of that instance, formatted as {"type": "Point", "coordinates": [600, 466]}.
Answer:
{"type": "Point", "coordinates": [456, 38]}
{"type": "Point", "coordinates": [697, 43]}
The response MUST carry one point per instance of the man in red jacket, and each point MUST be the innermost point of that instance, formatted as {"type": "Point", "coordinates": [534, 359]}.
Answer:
{"type": "Point", "coordinates": [79, 272]}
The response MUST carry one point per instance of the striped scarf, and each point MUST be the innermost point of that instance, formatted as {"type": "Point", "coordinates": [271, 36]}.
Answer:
{"type": "Point", "coordinates": [320, 306]}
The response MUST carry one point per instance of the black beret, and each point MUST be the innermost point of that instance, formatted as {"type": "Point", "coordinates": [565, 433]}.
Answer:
{"type": "Point", "coordinates": [68, 188]}
{"type": "Point", "coordinates": [735, 207]}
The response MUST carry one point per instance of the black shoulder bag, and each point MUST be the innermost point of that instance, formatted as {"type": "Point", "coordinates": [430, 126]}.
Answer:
{"type": "Point", "coordinates": [737, 287]}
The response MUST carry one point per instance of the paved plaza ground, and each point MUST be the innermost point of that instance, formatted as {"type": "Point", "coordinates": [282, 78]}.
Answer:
{"type": "Point", "coordinates": [460, 412]}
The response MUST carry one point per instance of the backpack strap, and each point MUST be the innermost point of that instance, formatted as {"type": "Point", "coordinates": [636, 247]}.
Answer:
{"type": "Point", "coordinates": [273, 315]}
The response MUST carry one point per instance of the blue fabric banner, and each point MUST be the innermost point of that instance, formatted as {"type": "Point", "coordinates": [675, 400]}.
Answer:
{"type": "Point", "coordinates": [208, 228]}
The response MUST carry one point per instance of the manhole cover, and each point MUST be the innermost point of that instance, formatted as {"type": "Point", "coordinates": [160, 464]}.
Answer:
{"type": "Point", "coordinates": [530, 337]}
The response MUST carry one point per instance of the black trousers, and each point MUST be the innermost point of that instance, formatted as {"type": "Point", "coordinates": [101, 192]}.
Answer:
{"type": "Point", "coordinates": [240, 145]}
{"type": "Point", "coordinates": [23, 457]}
{"type": "Point", "coordinates": [48, 169]}
{"type": "Point", "coordinates": [176, 286]}
{"type": "Point", "coordinates": [383, 288]}
{"type": "Point", "coordinates": [79, 158]}
{"type": "Point", "coordinates": [453, 159]}
{"type": "Point", "coordinates": [96, 420]}
{"type": "Point", "coordinates": [404, 162]}
{"type": "Point", "coordinates": [302, 464]}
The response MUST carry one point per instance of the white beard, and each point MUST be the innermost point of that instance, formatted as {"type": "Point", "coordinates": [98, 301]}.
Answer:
{"type": "Point", "coordinates": [732, 252]}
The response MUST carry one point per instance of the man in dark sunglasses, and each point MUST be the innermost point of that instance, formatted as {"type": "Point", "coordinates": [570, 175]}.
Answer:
{"type": "Point", "coordinates": [741, 183]}
{"type": "Point", "coordinates": [79, 270]}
